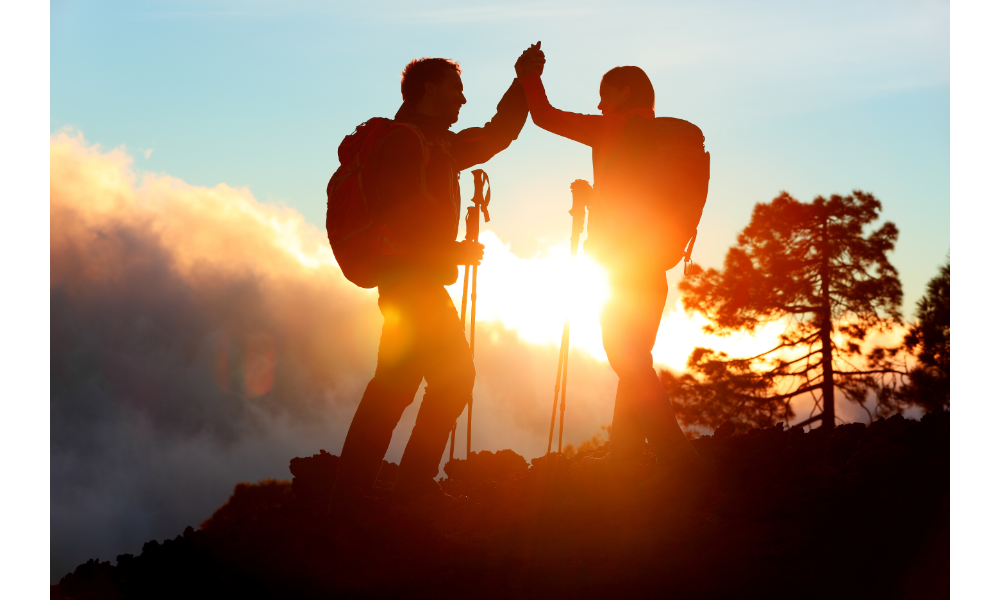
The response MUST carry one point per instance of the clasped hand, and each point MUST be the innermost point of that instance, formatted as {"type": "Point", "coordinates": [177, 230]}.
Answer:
{"type": "Point", "coordinates": [466, 252]}
{"type": "Point", "coordinates": [531, 61]}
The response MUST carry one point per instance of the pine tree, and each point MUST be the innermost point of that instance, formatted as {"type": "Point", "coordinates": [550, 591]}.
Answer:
{"type": "Point", "coordinates": [928, 384]}
{"type": "Point", "coordinates": [813, 267]}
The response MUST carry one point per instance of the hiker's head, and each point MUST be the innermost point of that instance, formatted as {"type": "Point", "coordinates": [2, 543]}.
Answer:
{"type": "Point", "coordinates": [433, 87]}
{"type": "Point", "coordinates": [624, 89]}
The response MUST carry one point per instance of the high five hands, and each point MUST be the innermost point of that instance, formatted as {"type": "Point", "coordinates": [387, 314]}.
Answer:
{"type": "Point", "coordinates": [531, 61]}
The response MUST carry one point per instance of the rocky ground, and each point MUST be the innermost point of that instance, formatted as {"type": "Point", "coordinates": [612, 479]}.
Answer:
{"type": "Point", "coordinates": [854, 512]}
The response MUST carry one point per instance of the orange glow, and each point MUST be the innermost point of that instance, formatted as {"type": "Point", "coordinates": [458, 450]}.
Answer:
{"type": "Point", "coordinates": [681, 333]}
{"type": "Point", "coordinates": [222, 233]}
{"type": "Point", "coordinates": [533, 296]}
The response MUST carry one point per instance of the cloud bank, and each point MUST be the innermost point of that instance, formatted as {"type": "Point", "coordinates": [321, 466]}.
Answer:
{"type": "Point", "coordinates": [200, 338]}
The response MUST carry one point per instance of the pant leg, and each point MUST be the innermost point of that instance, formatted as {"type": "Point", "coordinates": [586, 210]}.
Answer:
{"type": "Point", "coordinates": [397, 377]}
{"type": "Point", "coordinates": [450, 374]}
{"type": "Point", "coordinates": [623, 330]}
{"type": "Point", "coordinates": [629, 325]}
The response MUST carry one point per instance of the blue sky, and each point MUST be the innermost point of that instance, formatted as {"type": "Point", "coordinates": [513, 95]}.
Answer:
{"type": "Point", "coordinates": [812, 98]}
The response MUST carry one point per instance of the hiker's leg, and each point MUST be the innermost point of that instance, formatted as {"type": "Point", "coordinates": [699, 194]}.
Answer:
{"type": "Point", "coordinates": [616, 332]}
{"type": "Point", "coordinates": [450, 375]}
{"type": "Point", "coordinates": [641, 299]}
{"type": "Point", "coordinates": [655, 412]}
{"type": "Point", "coordinates": [391, 390]}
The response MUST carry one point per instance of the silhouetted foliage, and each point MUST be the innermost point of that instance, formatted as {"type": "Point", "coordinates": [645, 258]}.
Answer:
{"type": "Point", "coordinates": [725, 391]}
{"type": "Point", "coordinates": [928, 384]}
{"type": "Point", "coordinates": [774, 510]}
{"type": "Point", "coordinates": [929, 338]}
{"type": "Point", "coordinates": [812, 266]}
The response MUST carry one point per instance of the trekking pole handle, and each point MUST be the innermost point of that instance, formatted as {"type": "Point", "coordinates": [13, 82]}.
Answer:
{"type": "Point", "coordinates": [582, 194]}
{"type": "Point", "coordinates": [472, 224]}
{"type": "Point", "coordinates": [480, 178]}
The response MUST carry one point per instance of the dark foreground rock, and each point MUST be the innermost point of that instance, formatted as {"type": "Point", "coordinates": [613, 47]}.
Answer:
{"type": "Point", "coordinates": [856, 512]}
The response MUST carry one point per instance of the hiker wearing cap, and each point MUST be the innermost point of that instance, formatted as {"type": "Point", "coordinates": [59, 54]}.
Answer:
{"type": "Point", "coordinates": [626, 235]}
{"type": "Point", "coordinates": [406, 172]}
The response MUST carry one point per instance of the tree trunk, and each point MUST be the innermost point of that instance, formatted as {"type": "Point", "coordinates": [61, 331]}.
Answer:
{"type": "Point", "coordinates": [826, 331]}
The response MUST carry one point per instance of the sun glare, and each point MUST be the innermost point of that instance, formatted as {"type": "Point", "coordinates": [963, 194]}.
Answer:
{"type": "Point", "coordinates": [533, 296]}
{"type": "Point", "coordinates": [680, 333]}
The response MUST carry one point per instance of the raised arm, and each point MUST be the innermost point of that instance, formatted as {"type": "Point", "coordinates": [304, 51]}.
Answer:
{"type": "Point", "coordinates": [585, 129]}
{"type": "Point", "coordinates": [477, 145]}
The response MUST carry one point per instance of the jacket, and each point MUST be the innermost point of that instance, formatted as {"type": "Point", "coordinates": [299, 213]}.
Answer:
{"type": "Point", "coordinates": [421, 206]}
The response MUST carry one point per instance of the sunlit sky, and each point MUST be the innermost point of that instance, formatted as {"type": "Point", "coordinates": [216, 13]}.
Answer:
{"type": "Point", "coordinates": [813, 98]}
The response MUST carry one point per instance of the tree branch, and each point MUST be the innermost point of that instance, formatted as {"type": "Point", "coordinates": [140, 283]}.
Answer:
{"type": "Point", "coordinates": [872, 372]}
{"type": "Point", "coordinates": [796, 392]}
{"type": "Point", "coordinates": [796, 309]}
{"type": "Point", "coordinates": [786, 345]}
{"type": "Point", "coordinates": [792, 362]}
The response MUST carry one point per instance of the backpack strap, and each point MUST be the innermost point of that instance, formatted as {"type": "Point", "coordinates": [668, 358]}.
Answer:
{"type": "Point", "coordinates": [425, 153]}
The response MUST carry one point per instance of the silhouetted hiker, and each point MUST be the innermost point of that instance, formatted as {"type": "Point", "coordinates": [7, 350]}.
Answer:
{"type": "Point", "coordinates": [415, 174]}
{"type": "Point", "coordinates": [626, 235]}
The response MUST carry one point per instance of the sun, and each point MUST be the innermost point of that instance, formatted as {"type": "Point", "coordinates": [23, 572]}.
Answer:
{"type": "Point", "coordinates": [533, 296]}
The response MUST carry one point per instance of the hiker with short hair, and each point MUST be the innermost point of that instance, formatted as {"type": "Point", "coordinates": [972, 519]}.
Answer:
{"type": "Point", "coordinates": [636, 245]}
{"type": "Point", "coordinates": [414, 171]}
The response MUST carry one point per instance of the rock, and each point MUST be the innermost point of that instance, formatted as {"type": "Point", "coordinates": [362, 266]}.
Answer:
{"type": "Point", "coordinates": [486, 466]}
{"type": "Point", "coordinates": [313, 478]}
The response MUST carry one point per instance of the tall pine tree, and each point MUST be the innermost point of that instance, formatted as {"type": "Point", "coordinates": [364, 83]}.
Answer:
{"type": "Point", "coordinates": [819, 267]}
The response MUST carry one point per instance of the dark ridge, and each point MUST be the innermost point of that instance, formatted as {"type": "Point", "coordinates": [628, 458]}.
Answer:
{"type": "Point", "coordinates": [859, 512]}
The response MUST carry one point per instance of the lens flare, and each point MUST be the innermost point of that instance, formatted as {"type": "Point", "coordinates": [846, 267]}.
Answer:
{"type": "Point", "coordinates": [245, 362]}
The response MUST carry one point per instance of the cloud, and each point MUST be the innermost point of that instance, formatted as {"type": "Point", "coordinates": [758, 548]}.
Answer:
{"type": "Point", "coordinates": [200, 338]}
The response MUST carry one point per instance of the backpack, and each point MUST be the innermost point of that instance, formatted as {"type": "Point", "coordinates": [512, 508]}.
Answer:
{"type": "Point", "coordinates": [662, 172]}
{"type": "Point", "coordinates": [357, 233]}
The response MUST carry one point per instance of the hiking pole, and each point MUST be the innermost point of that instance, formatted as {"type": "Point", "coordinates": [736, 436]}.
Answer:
{"type": "Point", "coordinates": [479, 204]}
{"type": "Point", "coordinates": [581, 195]}
{"type": "Point", "coordinates": [465, 297]}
